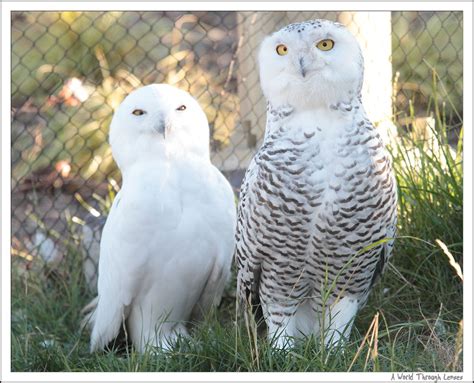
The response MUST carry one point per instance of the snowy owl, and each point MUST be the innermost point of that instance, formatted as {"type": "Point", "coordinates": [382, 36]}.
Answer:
{"type": "Point", "coordinates": [317, 214]}
{"type": "Point", "coordinates": [167, 246]}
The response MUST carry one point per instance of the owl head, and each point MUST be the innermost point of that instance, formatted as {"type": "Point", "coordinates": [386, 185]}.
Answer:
{"type": "Point", "coordinates": [158, 119]}
{"type": "Point", "coordinates": [311, 64]}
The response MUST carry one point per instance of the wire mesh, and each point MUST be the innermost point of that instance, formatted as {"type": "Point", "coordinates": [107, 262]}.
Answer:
{"type": "Point", "coordinates": [71, 69]}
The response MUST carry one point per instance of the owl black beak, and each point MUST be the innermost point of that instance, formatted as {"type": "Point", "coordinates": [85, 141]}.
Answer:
{"type": "Point", "coordinates": [161, 127]}
{"type": "Point", "coordinates": [302, 68]}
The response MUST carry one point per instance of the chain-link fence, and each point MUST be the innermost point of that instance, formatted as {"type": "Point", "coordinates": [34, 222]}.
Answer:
{"type": "Point", "coordinates": [71, 69]}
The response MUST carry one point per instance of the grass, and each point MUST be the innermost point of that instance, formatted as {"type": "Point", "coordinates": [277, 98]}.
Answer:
{"type": "Point", "coordinates": [435, 37]}
{"type": "Point", "coordinates": [411, 322]}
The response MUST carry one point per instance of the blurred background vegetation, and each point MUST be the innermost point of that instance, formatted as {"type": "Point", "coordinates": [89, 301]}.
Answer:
{"type": "Point", "coordinates": [110, 53]}
{"type": "Point", "coordinates": [422, 41]}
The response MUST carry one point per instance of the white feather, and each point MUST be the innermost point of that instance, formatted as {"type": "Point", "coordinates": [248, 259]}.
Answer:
{"type": "Point", "coordinates": [168, 242]}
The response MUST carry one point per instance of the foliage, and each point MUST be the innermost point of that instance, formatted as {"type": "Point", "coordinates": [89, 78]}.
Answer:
{"type": "Point", "coordinates": [420, 42]}
{"type": "Point", "coordinates": [108, 52]}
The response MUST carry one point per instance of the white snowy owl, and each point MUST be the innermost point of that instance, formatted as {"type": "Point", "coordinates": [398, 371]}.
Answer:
{"type": "Point", "coordinates": [317, 213]}
{"type": "Point", "coordinates": [167, 245]}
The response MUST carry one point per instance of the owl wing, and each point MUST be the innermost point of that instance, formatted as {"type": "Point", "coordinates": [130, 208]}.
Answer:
{"type": "Point", "coordinates": [124, 251]}
{"type": "Point", "coordinates": [386, 251]}
{"type": "Point", "coordinates": [387, 214]}
{"type": "Point", "coordinates": [223, 229]}
{"type": "Point", "coordinates": [247, 258]}
{"type": "Point", "coordinates": [114, 286]}
{"type": "Point", "coordinates": [391, 230]}
{"type": "Point", "coordinates": [213, 289]}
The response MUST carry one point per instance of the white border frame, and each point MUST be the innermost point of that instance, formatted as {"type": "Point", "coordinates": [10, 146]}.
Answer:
{"type": "Point", "coordinates": [7, 7]}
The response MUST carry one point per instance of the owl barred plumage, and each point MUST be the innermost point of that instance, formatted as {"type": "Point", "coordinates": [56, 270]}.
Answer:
{"type": "Point", "coordinates": [317, 213]}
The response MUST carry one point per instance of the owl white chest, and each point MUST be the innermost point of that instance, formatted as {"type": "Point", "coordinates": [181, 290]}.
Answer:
{"type": "Point", "coordinates": [323, 134]}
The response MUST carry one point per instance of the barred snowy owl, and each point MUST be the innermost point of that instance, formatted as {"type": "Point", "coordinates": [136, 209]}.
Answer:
{"type": "Point", "coordinates": [167, 245]}
{"type": "Point", "coordinates": [317, 213]}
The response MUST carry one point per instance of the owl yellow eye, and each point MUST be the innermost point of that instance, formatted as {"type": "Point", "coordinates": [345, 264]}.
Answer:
{"type": "Point", "coordinates": [325, 45]}
{"type": "Point", "coordinates": [282, 49]}
{"type": "Point", "coordinates": [138, 112]}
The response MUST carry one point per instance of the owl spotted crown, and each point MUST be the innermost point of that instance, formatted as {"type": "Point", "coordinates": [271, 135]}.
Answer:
{"type": "Point", "coordinates": [318, 23]}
